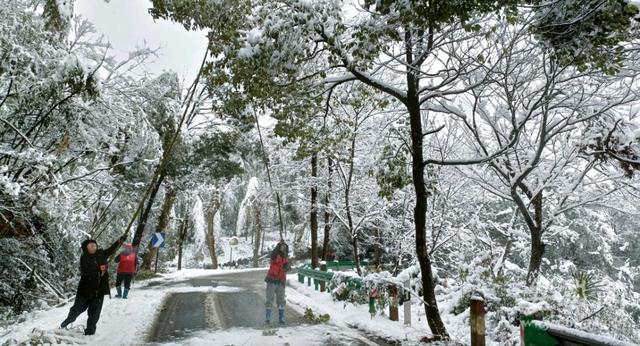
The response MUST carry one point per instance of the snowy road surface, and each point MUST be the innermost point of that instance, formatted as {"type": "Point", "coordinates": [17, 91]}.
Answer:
{"type": "Point", "coordinates": [195, 307]}
{"type": "Point", "coordinates": [231, 312]}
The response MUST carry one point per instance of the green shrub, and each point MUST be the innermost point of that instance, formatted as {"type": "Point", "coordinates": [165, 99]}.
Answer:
{"type": "Point", "coordinates": [587, 285]}
{"type": "Point", "coordinates": [310, 317]}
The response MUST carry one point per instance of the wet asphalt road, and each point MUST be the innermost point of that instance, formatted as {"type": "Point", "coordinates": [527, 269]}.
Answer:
{"type": "Point", "coordinates": [237, 300]}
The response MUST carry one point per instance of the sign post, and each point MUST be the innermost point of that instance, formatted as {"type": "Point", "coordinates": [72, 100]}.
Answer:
{"type": "Point", "coordinates": [407, 302]}
{"type": "Point", "coordinates": [477, 321]}
{"type": "Point", "coordinates": [393, 303]}
{"type": "Point", "coordinates": [233, 242]}
{"type": "Point", "coordinates": [157, 241]}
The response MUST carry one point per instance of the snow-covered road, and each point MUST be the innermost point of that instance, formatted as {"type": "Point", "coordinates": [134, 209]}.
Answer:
{"type": "Point", "coordinates": [193, 307]}
{"type": "Point", "coordinates": [231, 312]}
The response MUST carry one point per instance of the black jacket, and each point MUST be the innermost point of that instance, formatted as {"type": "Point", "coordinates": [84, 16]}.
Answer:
{"type": "Point", "coordinates": [93, 282]}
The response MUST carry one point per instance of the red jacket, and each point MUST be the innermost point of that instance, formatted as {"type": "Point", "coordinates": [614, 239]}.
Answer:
{"type": "Point", "coordinates": [127, 260]}
{"type": "Point", "coordinates": [278, 270]}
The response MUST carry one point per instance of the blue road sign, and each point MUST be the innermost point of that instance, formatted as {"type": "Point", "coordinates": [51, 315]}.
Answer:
{"type": "Point", "coordinates": [158, 239]}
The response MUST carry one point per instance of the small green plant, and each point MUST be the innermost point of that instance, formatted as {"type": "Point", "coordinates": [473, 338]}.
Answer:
{"type": "Point", "coordinates": [310, 317]}
{"type": "Point", "coordinates": [348, 294]}
{"type": "Point", "coordinates": [505, 298]}
{"type": "Point", "coordinates": [464, 273]}
{"type": "Point", "coordinates": [587, 285]}
{"type": "Point", "coordinates": [269, 332]}
{"type": "Point", "coordinates": [463, 304]}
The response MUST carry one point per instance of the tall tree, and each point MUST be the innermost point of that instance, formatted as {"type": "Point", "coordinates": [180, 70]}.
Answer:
{"type": "Point", "coordinates": [327, 211]}
{"type": "Point", "coordinates": [276, 50]}
{"type": "Point", "coordinates": [313, 214]}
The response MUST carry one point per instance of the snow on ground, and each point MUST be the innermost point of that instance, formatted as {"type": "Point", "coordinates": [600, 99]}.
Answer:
{"type": "Point", "coordinates": [302, 296]}
{"type": "Point", "coordinates": [300, 335]}
{"type": "Point", "coordinates": [347, 321]}
{"type": "Point", "coordinates": [140, 309]}
{"type": "Point", "coordinates": [138, 312]}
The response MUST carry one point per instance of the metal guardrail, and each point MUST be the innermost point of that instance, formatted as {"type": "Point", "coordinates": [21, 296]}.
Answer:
{"type": "Point", "coordinates": [532, 333]}
{"type": "Point", "coordinates": [344, 264]}
{"type": "Point", "coordinates": [322, 276]}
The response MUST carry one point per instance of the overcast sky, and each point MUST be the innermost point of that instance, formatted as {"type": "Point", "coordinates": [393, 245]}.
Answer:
{"type": "Point", "coordinates": [127, 25]}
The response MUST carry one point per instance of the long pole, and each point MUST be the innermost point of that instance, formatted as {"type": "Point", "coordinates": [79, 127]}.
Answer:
{"type": "Point", "coordinates": [266, 163]}
{"type": "Point", "coordinates": [157, 255]}
{"type": "Point", "coordinates": [165, 158]}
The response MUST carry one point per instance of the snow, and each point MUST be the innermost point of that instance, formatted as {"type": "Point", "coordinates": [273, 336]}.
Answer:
{"type": "Point", "coordinates": [65, 8]}
{"type": "Point", "coordinates": [139, 310]}
{"type": "Point", "coordinates": [197, 252]}
{"type": "Point", "coordinates": [251, 46]}
{"type": "Point", "coordinates": [529, 308]}
{"type": "Point", "coordinates": [252, 190]}
{"type": "Point", "coordinates": [140, 307]}
{"type": "Point", "coordinates": [301, 297]}
{"type": "Point", "coordinates": [301, 335]}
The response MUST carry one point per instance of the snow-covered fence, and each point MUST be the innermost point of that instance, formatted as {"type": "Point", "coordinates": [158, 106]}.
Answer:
{"type": "Point", "coordinates": [534, 333]}
{"type": "Point", "coordinates": [317, 276]}
{"type": "Point", "coordinates": [372, 286]}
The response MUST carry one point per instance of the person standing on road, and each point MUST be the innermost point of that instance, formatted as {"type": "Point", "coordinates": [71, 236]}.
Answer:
{"type": "Point", "coordinates": [127, 267]}
{"type": "Point", "coordinates": [276, 280]}
{"type": "Point", "coordinates": [93, 285]}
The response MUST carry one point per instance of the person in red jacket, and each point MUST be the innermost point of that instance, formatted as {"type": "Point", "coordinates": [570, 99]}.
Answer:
{"type": "Point", "coordinates": [127, 266]}
{"type": "Point", "coordinates": [276, 280]}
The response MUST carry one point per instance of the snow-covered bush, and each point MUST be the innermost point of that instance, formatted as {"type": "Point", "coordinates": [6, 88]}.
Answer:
{"type": "Point", "coordinates": [345, 291]}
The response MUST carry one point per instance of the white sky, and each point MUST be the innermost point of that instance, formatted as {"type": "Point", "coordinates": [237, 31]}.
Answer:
{"type": "Point", "coordinates": [126, 24]}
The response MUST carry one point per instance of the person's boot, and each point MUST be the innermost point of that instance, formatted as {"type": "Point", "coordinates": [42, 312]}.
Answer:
{"type": "Point", "coordinates": [119, 290]}
{"type": "Point", "coordinates": [268, 316]}
{"type": "Point", "coordinates": [125, 294]}
{"type": "Point", "coordinates": [281, 316]}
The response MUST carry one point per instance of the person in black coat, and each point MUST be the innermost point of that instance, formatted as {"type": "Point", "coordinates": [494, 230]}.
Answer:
{"type": "Point", "coordinates": [94, 283]}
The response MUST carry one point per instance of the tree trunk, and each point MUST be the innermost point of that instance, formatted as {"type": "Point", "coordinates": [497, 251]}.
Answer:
{"type": "Point", "coordinates": [262, 243]}
{"type": "Point", "coordinates": [165, 214]}
{"type": "Point", "coordinates": [182, 236]}
{"type": "Point", "coordinates": [258, 236]}
{"type": "Point", "coordinates": [356, 254]}
{"type": "Point", "coordinates": [378, 249]}
{"type": "Point", "coordinates": [347, 201]}
{"type": "Point", "coordinates": [163, 223]}
{"type": "Point", "coordinates": [137, 237]}
{"type": "Point", "coordinates": [148, 256]}
{"type": "Point", "coordinates": [420, 211]}
{"type": "Point", "coordinates": [211, 231]}
{"type": "Point", "coordinates": [537, 246]}
{"type": "Point", "coordinates": [327, 213]}
{"type": "Point", "coordinates": [314, 212]}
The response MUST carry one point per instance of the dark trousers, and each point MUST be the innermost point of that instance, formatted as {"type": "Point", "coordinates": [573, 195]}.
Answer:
{"type": "Point", "coordinates": [124, 277]}
{"type": "Point", "coordinates": [93, 307]}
